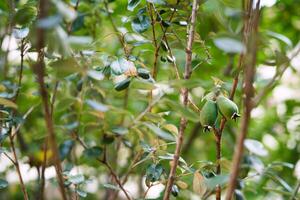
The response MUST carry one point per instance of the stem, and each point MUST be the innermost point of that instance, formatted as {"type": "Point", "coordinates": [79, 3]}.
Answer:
{"type": "Point", "coordinates": [218, 138]}
{"type": "Point", "coordinates": [295, 192]}
{"type": "Point", "coordinates": [104, 161]}
{"type": "Point", "coordinates": [39, 69]}
{"type": "Point", "coordinates": [16, 163]}
{"type": "Point", "coordinates": [249, 73]}
{"type": "Point", "coordinates": [184, 94]}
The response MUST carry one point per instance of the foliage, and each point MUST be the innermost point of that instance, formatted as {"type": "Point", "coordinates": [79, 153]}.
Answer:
{"type": "Point", "coordinates": [114, 73]}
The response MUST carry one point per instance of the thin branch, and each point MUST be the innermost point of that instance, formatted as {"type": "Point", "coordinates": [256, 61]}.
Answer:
{"type": "Point", "coordinates": [39, 69]}
{"type": "Point", "coordinates": [249, 73]}
{"type": "Point", "coordinates": [295, 192]}
{"type": "Point", "coordinates": [16, 163]}
{"type": "Point", "coordinates": [104, 161]}
{"type": "Point", "coordinates": [184, 94]}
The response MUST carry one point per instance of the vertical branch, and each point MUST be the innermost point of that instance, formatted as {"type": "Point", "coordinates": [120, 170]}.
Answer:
{"type": "Point", "coordinates": [184, 94]}
{"type": "Point", "coordinates": [16, 163]}
{"type": "Point", "coordinates": [218, 138]}
{"type": "Point", "coordinates": [39, 69]}
{"type": "Point", "coordinates": [249, 72]}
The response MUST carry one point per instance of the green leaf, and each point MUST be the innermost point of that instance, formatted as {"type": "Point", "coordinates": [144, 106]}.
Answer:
{"type": "Point", "coordinates": [132, 4]}
{"type": "Point", "coordinates": [140, 24]}
{"type": "Point", "coordinates": [97, 106]}
{"type": "Point", "coordinates": [159, 2]}
{"type": "Point", "coordinates": [8, 103]}
{"type": "Point", "coordinates": [229, 45]}
{"type": "Point", "coordinates": [93, 152]}
{"type": "Point", "coordinates": [3, 183]}
{"type": "Point", "coordinates": [120, 130]}
{"type": "Point", "coordinates": [65, 149]}
{"type": "Point", "coordinates": [65, 67]}
{"type": "Point", "coordinates": [110, 186]}
{"type": "Point", "coordinates": [25, 15]}
{"type": "Point", "coordinates": [183, 111]}
{"type": "Point", "coordinates": [159, 132]}
{"type": "Point", "coordinates": [142, 85]}
{"type": "Point", "coordinates": [153, 172]}
{"type": "Point", "coordinates": [211, 183]}
{"type": "Point", "coordinates": [76, 179]}
{"type": "Point", "coordinates": [81, 193]}
{"type": "Point", "coordinates": [120, 66]}
{"type": "Point", "coordinates": [280, 37]}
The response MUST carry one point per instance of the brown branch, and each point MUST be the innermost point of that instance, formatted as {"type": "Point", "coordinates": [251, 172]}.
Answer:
{"type": "Point", "coordinates": [16, 164]}
{"type": "Point", "coordinates": [249, 72]}
{"type": "Point", "coordinates": [184, 94]}
{"type": "Point", "coordinates": [104, 161]}
{"type": "Point", "coordinates": [39, 69]}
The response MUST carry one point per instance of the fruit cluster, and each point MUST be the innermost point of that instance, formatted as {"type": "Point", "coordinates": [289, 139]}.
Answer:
{"type": "Point", "coordinates": [209, 112]}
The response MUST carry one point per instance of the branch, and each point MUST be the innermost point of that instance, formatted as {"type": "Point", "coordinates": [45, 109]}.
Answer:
{"type": "Point", "coordinates": [39, 70]}
{"type": "Point", "coordinates": [249, 73]}
{"type": "Point", "coordinates": [295, 192]}
{"type": "Point", "coordinates": [184, 94]}
{"type": "Point", "coordinates": [16, 163]}
{"type": "Point", "coordinates": [104, 161]}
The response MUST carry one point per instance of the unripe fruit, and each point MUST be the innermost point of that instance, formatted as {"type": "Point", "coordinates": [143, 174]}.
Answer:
{"type": "Point", "coordinates": [123, 84]}
{"type": "Point", "coordinates": [227, 108]}
{"type": "Point", "coordinates": [208, 115]}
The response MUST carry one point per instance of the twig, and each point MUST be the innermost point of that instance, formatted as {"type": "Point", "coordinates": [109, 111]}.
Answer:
{"type": "Point", "coordinates": [39, 69]}
{"type": "Point", "coordinates": [249, 72]}
{"type": "Point", "coordinates": [16, 163]}
{"type": "Point", "coordinates": [184, 94]}
{"type": "Point", "coordinates": [104, 161]}
{"type": "Point", "coordinates": [295, 192]}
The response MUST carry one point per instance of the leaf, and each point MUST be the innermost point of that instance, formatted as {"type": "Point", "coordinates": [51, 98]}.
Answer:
{"type": "Point", "coordinates": [76, 179]}
{"type": "Point", "coordinates": [199, 186]}
{"type": "Point", "coordinates": [170, 156]}
{"type": "Point", "coordinates": [159, 132]}
{"type": "Point", "coordinates": [81, 193]}
{"type": "Point", "coordinates": [97, 106]}
{"type": "Point", "coordinates": [3, 183]}
{"type": "Point", "coordinates": [171, 128]}
{"type": "Point", "coordinates": [120, 130]}
{"type": "Point", "coordinates": [120, 66]}
{"type": "Point", "coordinates": [280, 37]}
{"type": "Point", "coordinates": [183, 111]}
{"type": "Point", "coordinates": [239, 195]}
{"type": "Point", "coordinates": [65, 67]}
{"type": "Point", "coordinates": [20, 33]}
{"type": "Point", "coordinates": [25, 15]}
{"type": "Point", "coordinates": [140, 24]}
{"type": "Point", "coordinates": [211, 183]}
{"type": "Point", "coordinates": [159, 2]}
{"type": "Point", "coordinates": [95, 75]}
{"type": "Point", "coordinates": [153, 172]}
{"type": "Point", "coordinates": [142, 85]}
{"type": "Point", "coordinates": [132, 4]}
{"type": "Point", "coordinates": [93, 152]}
{"type": "Point", "coordinates": [255, 147]}
{"type": "Point", "coordinates": [110, 186]}
{"type": "Point", "coordinates": [229, 45]}
{"type": "Point", "coordinates": [65, 149]}
{"type": "Point", "coordinates": [8, 103]}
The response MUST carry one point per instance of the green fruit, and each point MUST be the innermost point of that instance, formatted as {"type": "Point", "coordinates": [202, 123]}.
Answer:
{"type": "Point", "coordinates": [208, 115]}
{"type": "Point", "coordinates": [123, 84]}
{"type": "Point", "coordinates": [227, 108]}
{"type": "Point", "coordinates": [143, 73]}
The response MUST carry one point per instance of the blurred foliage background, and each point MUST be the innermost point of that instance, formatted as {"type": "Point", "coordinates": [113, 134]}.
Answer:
{"type": "Point", "coordinates": [92, 46]}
